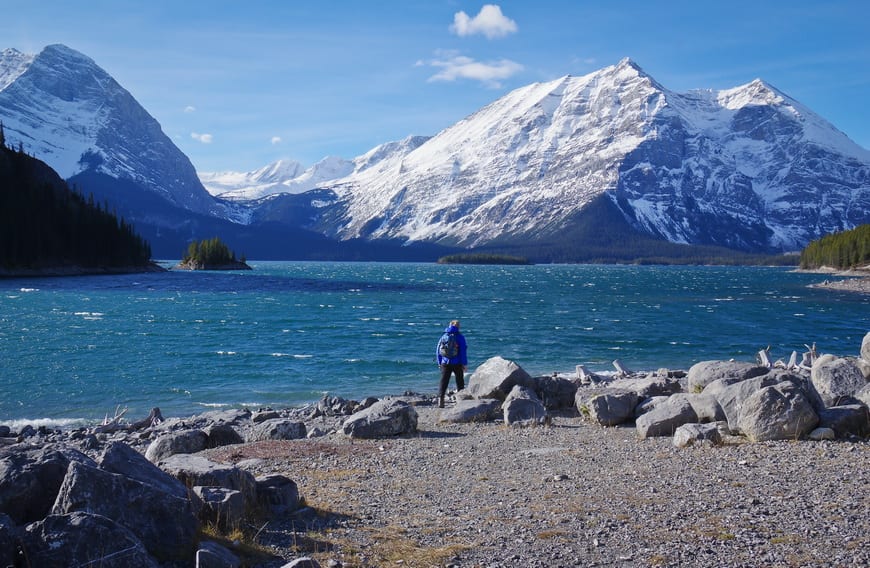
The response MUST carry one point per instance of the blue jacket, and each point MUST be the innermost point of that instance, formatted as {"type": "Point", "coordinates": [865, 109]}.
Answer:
{"type": "Point", "coordinates": [462, 357]}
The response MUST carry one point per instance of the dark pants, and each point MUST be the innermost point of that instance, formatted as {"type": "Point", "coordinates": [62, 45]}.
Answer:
{"type": "Point", "coordinates": [446, 370]}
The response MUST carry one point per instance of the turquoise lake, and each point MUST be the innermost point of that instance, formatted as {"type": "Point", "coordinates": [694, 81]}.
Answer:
{"type": "Point", "coordinates": [74, 349]}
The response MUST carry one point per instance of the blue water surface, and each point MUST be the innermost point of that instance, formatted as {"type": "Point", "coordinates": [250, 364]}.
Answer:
{"type": "Point", "coordinates": [73, 349]}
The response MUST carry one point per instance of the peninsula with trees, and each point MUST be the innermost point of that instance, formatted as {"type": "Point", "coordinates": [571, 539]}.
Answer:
{"type": "Point", "coordinates": [47, 229]}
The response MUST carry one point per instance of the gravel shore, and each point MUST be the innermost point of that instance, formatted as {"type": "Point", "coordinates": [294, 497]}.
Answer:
{"type": "Point", "coordinates": [569, 494]}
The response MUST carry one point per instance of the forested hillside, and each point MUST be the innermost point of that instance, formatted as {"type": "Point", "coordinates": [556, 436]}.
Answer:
{"type": "Point", "coordinates": [46, 227]}
{"type": "Point", "coordinates": [848, 249]}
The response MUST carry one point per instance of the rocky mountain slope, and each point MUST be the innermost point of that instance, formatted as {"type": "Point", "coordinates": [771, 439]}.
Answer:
{"type": "Point", "coordinates": [67, 111]}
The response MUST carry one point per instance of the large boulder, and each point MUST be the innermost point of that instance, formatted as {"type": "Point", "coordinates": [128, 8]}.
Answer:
{"type": "Point", "coordinates": [213, 555]}
{"type": "Point", "coordinates": [388, 417]}
{"type": "Point", "coordinates": [837, 379]}
{"type": "Point", "coordinates": [165, 524]}
{"type": "Point", "coordinates": [30, 479]}
{"type": "Point", "coordinates": [777, 412]}
{"type": "Point", "coordinates": [846, 420]}
{"type": "Point", "coordinates": [221, 507]}
{"type": "Point", "coordinates": [482, 410]}
{"type": "Point", "coordinates": [122, 459]}
{"type": "Point", "coordinates": [664, 419]}
{"type": "Point", "coordinates": [278, 429]}
{"type": "Point", "coordinates": [522, 407]}
{"type": "Point", "coordinates": [181, 442]}
{"type": "Point", "coordinates": [85, 539]}
{"type": "Point", "coordinates": [607, 407]}
{"type": "Point", "coordinates": [496, 377]}
{"type": "Point", "coordinates": [278, 493]}
{"type": "Point", "coordinates": [193, 470]}
{"type": "Point", "coordinates": [703, 373]}
{"type": "Point", "coordinates": [556, 392]}
{"type": "Point", "coordinates": [218, 435]}
{"type": "Point", "coordinates": [731, 395]}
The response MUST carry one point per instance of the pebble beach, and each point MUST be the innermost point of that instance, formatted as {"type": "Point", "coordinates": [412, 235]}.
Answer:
{"type": "Point", "coordinates": [568, 494]}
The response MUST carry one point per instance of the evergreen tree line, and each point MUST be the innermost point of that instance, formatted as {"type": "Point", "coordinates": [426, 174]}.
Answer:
{"type": "Point", "coordinates": [847, 249]}
{"type": "Point", "coordinates": [45, 225]}
{"type": "Point", "coordinates": [209, 252]}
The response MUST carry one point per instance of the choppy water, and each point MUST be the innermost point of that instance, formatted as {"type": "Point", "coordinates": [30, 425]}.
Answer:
{"type": "Point", "coordinates": [76, 348]}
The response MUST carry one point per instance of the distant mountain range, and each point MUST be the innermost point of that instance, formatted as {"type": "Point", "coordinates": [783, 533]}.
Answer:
{"type": "Point", "coordinates": [553, 170]}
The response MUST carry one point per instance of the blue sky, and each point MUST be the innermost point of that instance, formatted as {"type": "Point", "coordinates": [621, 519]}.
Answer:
{"type": "Point", "coordinates": [237, 84]}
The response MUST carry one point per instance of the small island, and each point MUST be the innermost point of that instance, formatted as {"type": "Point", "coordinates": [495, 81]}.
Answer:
{"type": "Point", "coordinates": [211, 254]}
{"type": "Point", "coordinates": [481, 258]}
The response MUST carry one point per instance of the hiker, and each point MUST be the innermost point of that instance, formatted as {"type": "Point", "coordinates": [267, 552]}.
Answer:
{"type": "Point", "coordinates": [452, 356]}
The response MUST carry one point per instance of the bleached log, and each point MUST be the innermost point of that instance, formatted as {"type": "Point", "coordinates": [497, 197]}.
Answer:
{"type": "Point", "coordinates": [112, 425]}
{"type": "Point", "coordinates": [621, 369]}
{"type": "Point", "coordinates": [792, 361]}
{"type": "Point", "coordinates": [764, 357]}
{"type": "Point", "coordinates": [583, 374]}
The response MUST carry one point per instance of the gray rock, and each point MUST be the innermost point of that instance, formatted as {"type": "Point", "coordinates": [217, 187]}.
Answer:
{"type": "Point", "coordinates": [665, 418]}
{"type": "Point", "coordinates": [695, 434]}
{"type": "Point", "coordinates": [837, 379]}
{"type": "Point", "coordinates": [165, 524]}
{"type": "Point", "coordinates": [182, 442]}
{"type": "Point", "coordinates": [648, 404]}
{"type": "Point", "coordinates": [278, 493]}
{"type": "Point", "coordinates": [84, 539]}
{"type": "Point", "coordinates": [846, 420]}
{"type": "Point", "coordinates": [218, 435]}
{"type": "Point", "coordinates": [863, 395]}
{"type": "Point", "coordinates": [263, 415]}
{"type": "Point", "coordinates": [777, 412]}
{"type": "Point", "coordinates": [732, 394]}
{"type": "Point", "coordinates": [8, 541]}
{"type": "Point", "coordinates": [482, 410]}
{"type": "Point", "coordinates": [222, 507]}
{"type": "Point", "coordinates": [496, 377]}
{"type": "Point", "coordinates": [194, 470]}
{"type": "Point", "coordinates": [30, 479]}
{"type": "Point", "coordinates": [556, 392]}
{"type": "Point", "coordinates": [706, 406]}
{"type": "Point", "coordinates": [388, 417]}
{"type": "Point", "coordinates": [608, 408]}
{"type": "Point", "coordinates": [278, 429]}
{"type": "Point", "coordinates": [232, 417]}
{"type": "Point", "coordinates": [522, 407]}
{"type": "Point", "coordinates": [646, 387]}
{"type": "Point", "coordinates": [703, 373]}
{"type": "Point", "coordinates": [213, 555]}
{"type": "Point", "coordinates": [122, 459]}
{"type": "Point", "coordinates": [821, 433]}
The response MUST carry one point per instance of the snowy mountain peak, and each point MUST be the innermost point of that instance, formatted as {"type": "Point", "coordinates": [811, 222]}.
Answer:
{"type": "Point", "coordinates": [67, 111]}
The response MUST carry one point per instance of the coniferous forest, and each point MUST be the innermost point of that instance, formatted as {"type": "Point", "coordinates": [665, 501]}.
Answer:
{"type": "Point", "coordinates": [847, 249]}
{"type": "Point", "coordinates": [44, 226]}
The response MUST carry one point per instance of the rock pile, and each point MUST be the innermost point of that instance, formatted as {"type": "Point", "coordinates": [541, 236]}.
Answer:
{"type": "Point", "coordinates": [140, 494]}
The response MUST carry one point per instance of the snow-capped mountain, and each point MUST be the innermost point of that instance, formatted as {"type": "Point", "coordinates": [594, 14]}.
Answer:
{"type": "Point", "coordinates": [290, 177]}
{"type": "Point", "coordinates": [748, 168]}
{"type": "Point", "coordinates": [67, 111]}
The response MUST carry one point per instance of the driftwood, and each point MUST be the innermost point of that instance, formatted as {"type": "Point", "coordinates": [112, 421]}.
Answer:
{"type": "Point", "coordinates": [153, 419]}
{"type": "Point", "coordinates": [764, 357]}
{"type": "Point", "coordinates": [621, 369]}
{"type": "Point", "coordinates": [112, 425]}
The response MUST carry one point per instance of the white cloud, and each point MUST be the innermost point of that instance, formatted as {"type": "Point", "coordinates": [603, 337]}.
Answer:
{"type": "Point", "coordinates": [276, 140]}
{"type": "Point", "coordinates": [454, 67]}
{"type": "Point", "coordinates": [489, 22]}
{"type": "Point", "coordinates": [204, 138]}
{"type": "Point", "coordinates": [189, 108]}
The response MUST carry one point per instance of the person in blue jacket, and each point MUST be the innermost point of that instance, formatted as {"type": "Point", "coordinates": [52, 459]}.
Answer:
{"type": "Point", "coordinates": [452, 355]}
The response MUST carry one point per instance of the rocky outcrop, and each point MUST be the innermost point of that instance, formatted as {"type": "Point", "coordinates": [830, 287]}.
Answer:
{"type": "Point", "coordinates": [496, 377]}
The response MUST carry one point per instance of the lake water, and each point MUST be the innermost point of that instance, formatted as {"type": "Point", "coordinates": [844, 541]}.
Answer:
{"type": "Point", "coordinates": [74, 349]}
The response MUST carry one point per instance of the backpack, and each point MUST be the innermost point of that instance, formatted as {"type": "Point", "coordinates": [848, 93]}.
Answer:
{"type": "Point", "coordinates": [448, 346]}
